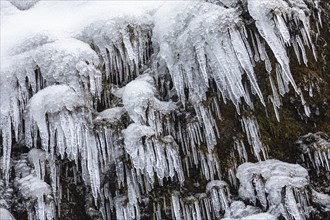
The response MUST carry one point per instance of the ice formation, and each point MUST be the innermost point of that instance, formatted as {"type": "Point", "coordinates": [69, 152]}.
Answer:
{"type": "Point", "coordinates": [36, 193]}
{"type": "Point", "coordinates": [315, 149]}
{"type": "Point", "coordinates": [278, 186]}
{"type": "Point", "coordinates": [251, 129]}
{"type": "Point", "coordinates": [6, 200]}
{"type": "Point", "coordinates": [5, 214]}
{"type": "Point", "coordinates": [208, 205]}
{"type": "Point", "coordinates": [130, 92]}
{"type": "Point", "coordinates": [238, 210]}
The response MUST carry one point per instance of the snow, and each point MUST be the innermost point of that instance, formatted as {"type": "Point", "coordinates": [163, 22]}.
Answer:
{"type": "Point", "coordinates": [59, 20]}
{"type": "Point", "coordinates": [61, 60]}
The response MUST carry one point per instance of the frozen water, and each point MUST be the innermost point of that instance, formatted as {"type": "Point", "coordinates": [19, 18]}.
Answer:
{"type": "Point", "coordinates": [152, 67]}
{"type": "Point", "coordinates": [5, 214]}
{"type": "Point", "coordinates": [316, 149]}
{"type": "Point", "coordinates": [264, 181]}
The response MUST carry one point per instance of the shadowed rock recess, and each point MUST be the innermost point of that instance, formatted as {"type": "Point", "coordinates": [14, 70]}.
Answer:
{"type": "Point", "coordinates": [165, 110]}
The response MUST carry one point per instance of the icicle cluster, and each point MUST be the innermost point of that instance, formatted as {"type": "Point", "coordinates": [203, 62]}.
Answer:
{"type": "Point", "coordinates": [208, 205]}
{"type": "Point", "coordinates": [279, 187]}
{"type": "Point", "coordinates": [315, 149]}
{"type": "Point", "coordinates": [35, 192]}
{"type": "Point", "coordinates": [251, 128]}
{"type": "Point", "coordinates": [157, 75]}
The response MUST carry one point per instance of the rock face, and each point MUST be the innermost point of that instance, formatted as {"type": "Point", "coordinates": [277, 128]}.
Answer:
{"type": "Point", "coordinates": [165, 110]}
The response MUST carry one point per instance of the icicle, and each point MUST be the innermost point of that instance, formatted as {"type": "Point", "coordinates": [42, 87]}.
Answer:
{"type": "Point", "coordinates": [251, 129]}
{"type": "Point", "coordinates": [240, 147]}
{"type": "Point", "coordinates": [35, 192]}
{"type": "Point", "coordinates": [318, 145]}
{"type": "Point", "coordinates": [219, 195]}
{"type": "Point", "coordinates": [175, 205]}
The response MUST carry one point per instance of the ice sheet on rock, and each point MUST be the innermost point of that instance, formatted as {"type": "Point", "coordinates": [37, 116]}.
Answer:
{"type": "Point", "coordinates": [205, 117]}
{"type": "Point", "coordinates": [265, 181]}
{"type": "Point", "coordinates": [227, 3]}
{"type": "Point", "coordinates": [133, 134]}
{"type": "Point", "coordinates": [192, 209]}
{"type": "Point", "coordinates": [210, 166]}
{"type": "Point", "coordinates": [34, 187]}
{"type": "Point", "coordinates": [202, 47]}
{"type": "Point", "coordinates": [67, 61]}
{"type": "Point", "coordinates": [238, 210]}
{"type": "Point", "coordinates": [7, 198]}
{"type": "Point", "coordinates": [57, 17]}
{"type": "Point", "coordinates": [240, 148]}
{"type": "Point", "coordinates": [175, 205]}
{"type": "Point", "coordinates": [315, 149]}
